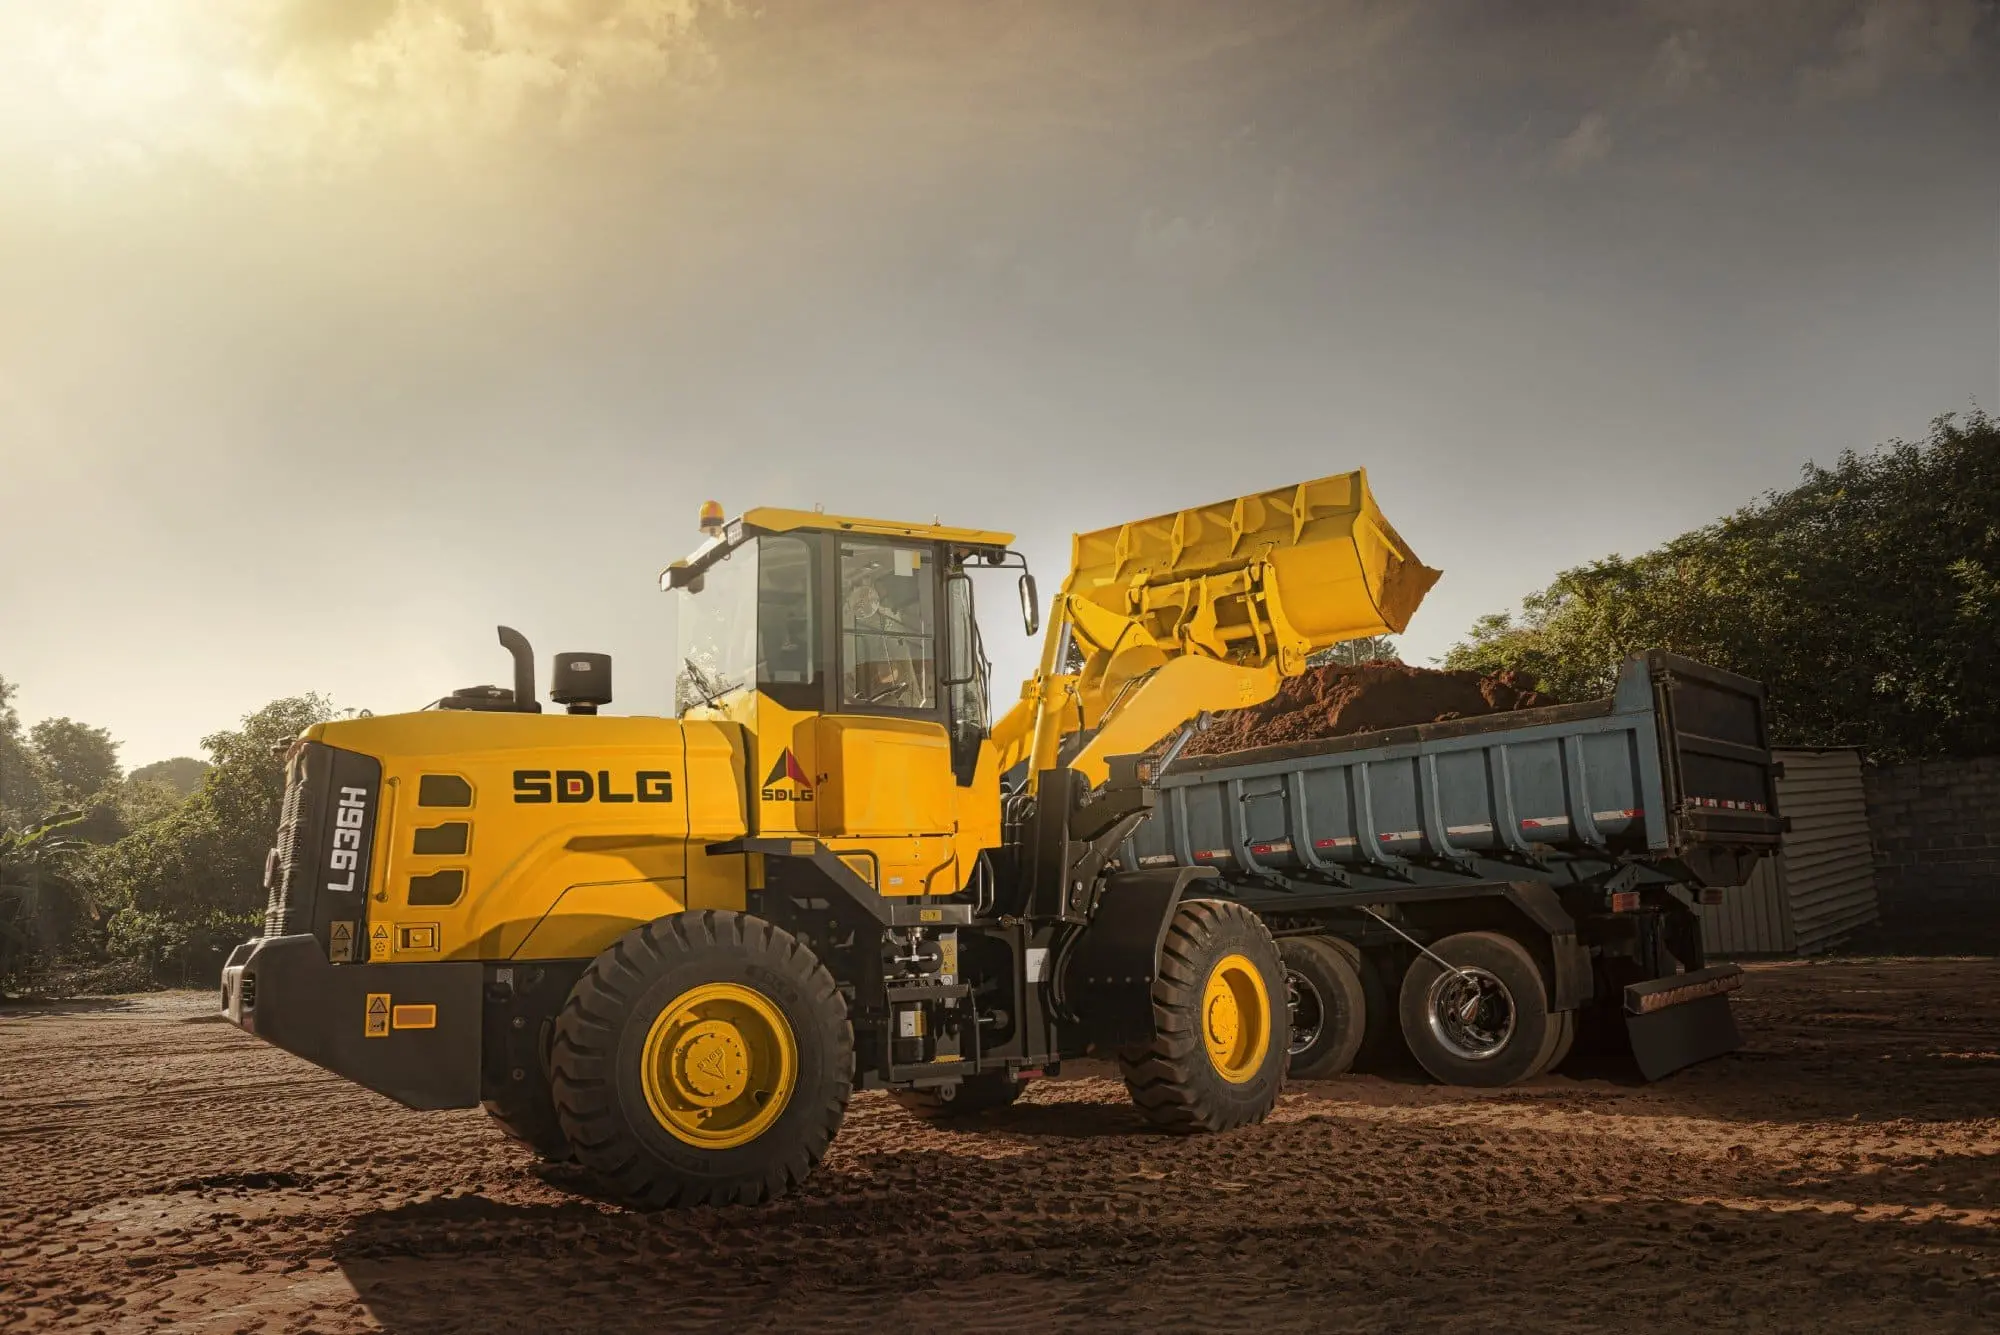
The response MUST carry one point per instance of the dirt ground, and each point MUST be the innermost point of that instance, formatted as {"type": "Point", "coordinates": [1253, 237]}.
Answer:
{"type": "Point", "coordinates": [160, 1171]}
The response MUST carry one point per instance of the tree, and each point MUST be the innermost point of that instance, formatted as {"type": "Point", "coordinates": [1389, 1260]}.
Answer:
{"type": "Point", "coordinates": [190, 884]}
{"type": "Point", "coordinates": [1867, 598]}
{"type": "Point", "coordinates": [38, 896]}
{"type": "Point", "coordinates": [182, 774]}
{"type": "Point", "coordinates": [20, 781]}
{"type": "Point", "coordinates": [76, 761]}
{"type": "Point", "coordinates": [1367, 649]}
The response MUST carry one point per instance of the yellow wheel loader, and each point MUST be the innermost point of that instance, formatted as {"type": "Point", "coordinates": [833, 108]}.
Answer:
{"type": "Point", "coordinates": [671, 948]}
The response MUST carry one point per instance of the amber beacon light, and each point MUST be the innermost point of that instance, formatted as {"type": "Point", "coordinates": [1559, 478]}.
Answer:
{"type": "Point", "coordinates": [711, 517]}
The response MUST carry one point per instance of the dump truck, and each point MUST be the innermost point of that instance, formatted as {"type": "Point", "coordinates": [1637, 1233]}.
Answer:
{"type": "Point", "coordinates": [1486, 889]}
{"type": "Point", "coordinates": [670, 948]}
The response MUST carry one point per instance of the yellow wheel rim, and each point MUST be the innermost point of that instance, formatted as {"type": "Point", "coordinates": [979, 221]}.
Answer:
{"type": "Point", "coordinates": [1236, 1018]}
{"type": "Point", "coordinates": [719, 1065]}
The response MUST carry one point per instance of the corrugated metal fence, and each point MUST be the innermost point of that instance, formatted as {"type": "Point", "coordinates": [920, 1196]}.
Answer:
{"type": "Point", "coordinates": [1821, 886]}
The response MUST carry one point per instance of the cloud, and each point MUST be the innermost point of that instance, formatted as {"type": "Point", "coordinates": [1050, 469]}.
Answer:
{"type": "Point", "coordinates": [1584, 147]}
{"type": "Point", "coordinates": [1681, 64]}
{"type": "Point", "coordinates": [1889, 40]}
{"type": "Point", "coordinates": [245, 83]}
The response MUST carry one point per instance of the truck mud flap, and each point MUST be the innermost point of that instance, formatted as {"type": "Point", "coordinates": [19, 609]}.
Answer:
{"type": "Point", "coordinates": [1673, 1023]}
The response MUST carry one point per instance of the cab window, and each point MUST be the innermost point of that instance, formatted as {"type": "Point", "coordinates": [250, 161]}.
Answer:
{"type": "Point", "coordinates": [788, 624]}
{"type": "Point", "coordinates": [888, 627]}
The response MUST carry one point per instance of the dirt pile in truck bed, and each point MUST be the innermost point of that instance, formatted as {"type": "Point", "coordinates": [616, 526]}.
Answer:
{"type": "Point", "coordinates": [1338, 700]}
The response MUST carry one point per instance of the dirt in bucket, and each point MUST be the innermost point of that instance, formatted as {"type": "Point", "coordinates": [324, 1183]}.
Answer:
{"type": "Point", "coordinates": [1339, 699]}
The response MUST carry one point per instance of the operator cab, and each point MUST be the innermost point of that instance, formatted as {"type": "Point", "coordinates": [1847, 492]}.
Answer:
{"type": "Point", "coordinates": [830, 616]}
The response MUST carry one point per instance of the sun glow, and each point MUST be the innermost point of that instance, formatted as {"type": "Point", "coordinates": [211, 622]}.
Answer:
{"type": "Point", "coordinates": [86, 84]}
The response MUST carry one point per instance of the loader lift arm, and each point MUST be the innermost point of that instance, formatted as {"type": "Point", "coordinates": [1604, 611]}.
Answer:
{"type": "Point", "coordinates": [1163, 619]}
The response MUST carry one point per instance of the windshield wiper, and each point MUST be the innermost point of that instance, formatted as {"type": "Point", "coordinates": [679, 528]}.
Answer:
{"type": "Point", "coordinates": [710, 692]}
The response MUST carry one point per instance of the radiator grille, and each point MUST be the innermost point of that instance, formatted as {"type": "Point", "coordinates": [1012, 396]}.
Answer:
{"type": "Point", "coordinates": [289, 909]}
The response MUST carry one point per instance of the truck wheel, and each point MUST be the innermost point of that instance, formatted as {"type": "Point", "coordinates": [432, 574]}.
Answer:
{"type": "Point", "coordinates": [526, 1112]}
{"type": "Point", "coordinates": [1562, 1037]}
{"type": "Point", "coordinates": [1485, 1025]}
{"type": "Point", "coordinates": [1329, 1007]}
{"type": "Point", "coordinates": [971, 1096]}
{"type": "Point", "coordinates": [1217, 1059]}
{"type": "Point", "coordinates": [704, 1059]}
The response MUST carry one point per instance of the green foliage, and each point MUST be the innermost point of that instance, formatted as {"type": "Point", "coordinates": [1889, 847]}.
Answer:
{"type": "Point", "coordinates": [1366, 649]}
{"type": "Point", "coordinates": [1867, 598]}
{"type": "Point", "coordinates": [40, 897]}
{"type": "Point", "coordinates": [189, 884]}
{"type": "Point", "coordinates": [20, 778]}
{"type": "Point", "coordinates": [76, 761]}
{"type": "Point", "coordinates": [182, 774]}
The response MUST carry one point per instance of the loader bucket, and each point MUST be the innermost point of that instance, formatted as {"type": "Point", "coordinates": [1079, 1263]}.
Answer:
{"type": "Point", "coordinates": [1332, 568]}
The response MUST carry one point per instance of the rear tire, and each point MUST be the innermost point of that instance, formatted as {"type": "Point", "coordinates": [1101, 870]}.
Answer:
{"type": "Point", "coordinates": [1217, 1059]}
{"type": "Point", "coordinates": [1484, 1027]}
{"type": "Point", "coordinates": [1329, 1007]}
{"type": "Point", "coordinates": [1562, 1033]}
{"type": "Point", "coordinates": [704, 1059]}
{"type": "Point", "coordinates": [971, 1096]}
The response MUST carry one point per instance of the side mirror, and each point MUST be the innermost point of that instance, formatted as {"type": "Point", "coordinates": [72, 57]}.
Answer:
{"type": "Point", "coordinates": [1031, 605]}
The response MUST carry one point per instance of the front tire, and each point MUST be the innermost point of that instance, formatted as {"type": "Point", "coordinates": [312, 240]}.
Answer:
{"type": "Point", "coordinates": [704, 1059]}
{"type": "Point", "coordinates": [1483, 1023]}
{"type": "Point", "coordinates": [526, 1113]}
{"type": "Point", "coordinates": [1217, 1059]}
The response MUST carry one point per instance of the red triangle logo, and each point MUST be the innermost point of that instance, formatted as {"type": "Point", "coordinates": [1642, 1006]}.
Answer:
{"type": "Point", "coordinates": [787, 768]}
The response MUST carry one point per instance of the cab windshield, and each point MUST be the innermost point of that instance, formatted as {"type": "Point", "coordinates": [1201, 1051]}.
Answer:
{"type": "Point", "coordinates": [751, 620]}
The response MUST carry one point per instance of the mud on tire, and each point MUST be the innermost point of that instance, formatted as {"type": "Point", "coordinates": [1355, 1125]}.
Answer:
{"type": "Point", "coordinates": [1175, 1080]}
{"type": "Point", "coordinates": [612, 1022]}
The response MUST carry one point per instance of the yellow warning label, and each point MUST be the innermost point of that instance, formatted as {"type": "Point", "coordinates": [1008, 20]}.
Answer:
{"type": "Point", "coordinates": [804, 848]}
{"type": "Point", "coordinates": [417, 938]}
{"type": "Point", "coordinates": [340, 942]}
{"type": "Point", "coordinates": [378, 1015]}
{"type": "Point", "coordinates": [930, 915]}
{"type": "Point", "coordinates": [378, 941]}
{"type": "Point", "coordinates": [415, 1017]}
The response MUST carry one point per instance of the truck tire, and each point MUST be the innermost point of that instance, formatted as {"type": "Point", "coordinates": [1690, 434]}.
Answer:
{"type": "Point", "coordinates": [971, 1096]}
{"type": "Point", "coordinates": [704, 1059]}
{"type": "Point", "coordinates": [1485, 1026]}
{"type": "Point", "coordinates": [1217, 1059]}
{"type": "Point", "coordinates": [1329, 1006]}
{"type": "Point", "coordinates": [526, 1112]}
{"type": "Point", "coordinates": [1562, 1037]}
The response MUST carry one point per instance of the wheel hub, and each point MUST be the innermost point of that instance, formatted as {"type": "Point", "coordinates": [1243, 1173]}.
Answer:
{"type": "Point", "coordinates": [719, 1065]}
{"type": "Point", "coordinates": [1307, 1009]}
{"type": "Point", "coordinates": [1470, 1013]}
{"type": "Point", "coordinates": [711, 1065]}
{"type": "Point", "coordinates": [1235, 1018]}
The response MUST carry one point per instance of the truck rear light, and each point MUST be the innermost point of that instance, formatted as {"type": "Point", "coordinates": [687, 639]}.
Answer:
{"type": "Point", "coordinates": [1625, 901]}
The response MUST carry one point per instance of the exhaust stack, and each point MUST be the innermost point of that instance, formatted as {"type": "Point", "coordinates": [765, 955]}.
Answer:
{"type": "Point", "coordinates": [515, 643]}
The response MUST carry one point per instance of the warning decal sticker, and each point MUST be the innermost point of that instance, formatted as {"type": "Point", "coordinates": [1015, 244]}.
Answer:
{"type": "Point", "coordinates": [377, 1025]}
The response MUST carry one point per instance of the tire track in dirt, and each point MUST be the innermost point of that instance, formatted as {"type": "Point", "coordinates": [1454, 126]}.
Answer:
{"type": "Point", "coordinates": [160, 1175]}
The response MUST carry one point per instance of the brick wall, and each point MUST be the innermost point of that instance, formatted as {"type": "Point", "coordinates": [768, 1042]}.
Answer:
{"type": "Point", "coordinates": [1936, 826]}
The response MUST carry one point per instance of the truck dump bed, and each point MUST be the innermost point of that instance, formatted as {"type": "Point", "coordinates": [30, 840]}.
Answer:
{"type": "Point", "coordinates": [1671, 776]}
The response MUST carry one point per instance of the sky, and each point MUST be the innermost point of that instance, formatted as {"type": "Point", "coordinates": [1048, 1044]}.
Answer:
{"type": "Point", "coordinates": [334, 333]}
